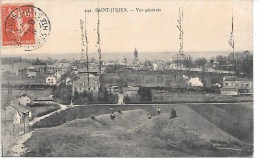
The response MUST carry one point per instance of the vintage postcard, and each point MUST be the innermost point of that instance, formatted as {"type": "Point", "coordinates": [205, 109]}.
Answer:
{"type": "Point", "coordinates": [127, 78]}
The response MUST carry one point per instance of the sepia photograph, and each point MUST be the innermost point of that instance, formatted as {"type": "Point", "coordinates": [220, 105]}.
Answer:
{"type": "Point", "coordinates": [127, 78]}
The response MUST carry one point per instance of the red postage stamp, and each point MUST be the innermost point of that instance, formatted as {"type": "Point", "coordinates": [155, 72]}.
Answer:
{"type": "Point", "coordinates": [17, 24]}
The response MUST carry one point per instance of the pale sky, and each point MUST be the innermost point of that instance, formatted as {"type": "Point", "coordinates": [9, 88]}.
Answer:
{"type": "Point", "coordinates": [207, 26]}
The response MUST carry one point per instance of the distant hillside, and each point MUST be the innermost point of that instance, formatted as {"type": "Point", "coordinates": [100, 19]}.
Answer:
{"type": "Point", "coordinates": [120, 55]}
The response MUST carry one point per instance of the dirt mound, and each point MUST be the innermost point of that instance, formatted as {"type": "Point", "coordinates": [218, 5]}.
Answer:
{"type": "Point", "coordinates": [208, 130]}
{"type": "Point", "coordinates": [175, 131]}
{"type": "Point", "coordinates": [128, 119]}
{"type": "Point", "coordinates": [83, 112]}
{"type": "Point", "coordinates": [131, 134]}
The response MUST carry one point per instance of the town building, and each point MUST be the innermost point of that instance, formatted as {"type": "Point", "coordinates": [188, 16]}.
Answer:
{"type": "Point", "coordinates": [51, 69]}
{"type": "Point", "coordinates": [24, 99]}
{"type": "Point", "coordinates": [31, 71]}
{"type": "Point", "coordinates": [51, 80]}
{"type": "Point", "coordinates": [130, 91]}
{"type": "Point", "coordinates": [233, 85]}
{"type": "Point", "coordinates": [177, 62]}
{"type": "Point", "coordinates": [113, 89]}
{"type": "Point", "coordinates": [74, 68]}
{"type": "Point", "coordinates": [39, 66]}
{"type": "Point", "coordinates": [17, 114]}
{"type": "Point", "coordinates": [62, 67]}
{"type": "Point", "coordinates": [15, 68]}
{"type": "Point", "coordinates": [86, 82]}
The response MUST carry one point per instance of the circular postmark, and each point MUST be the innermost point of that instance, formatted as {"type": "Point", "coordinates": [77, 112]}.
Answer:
{"type": "Point", "coordinates": [27, 26]}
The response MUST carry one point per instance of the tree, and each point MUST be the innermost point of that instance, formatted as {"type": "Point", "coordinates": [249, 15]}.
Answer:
{"type": "Point", "coordinates": [90, 96]}
{"type": "Point", "coordinates": [188, 63]}
{"type": "Point", "coordinates": [76, 94]}
{"type": "Point", "coordinates": [145, 94]}
{"type": "Point", "coordinates": [84, 94]}
{"type": "Point", "coordinates": [222, 62]}
{"type": "Point", "coordinates": [201, 61]}
{"type": "Point", "coordinates": [102, 94]}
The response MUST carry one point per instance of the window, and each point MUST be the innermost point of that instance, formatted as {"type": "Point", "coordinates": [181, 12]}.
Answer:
{"type": "Point", "coordinates": [237, 84]}
{"type": "Point", "coordinates": [247, 84]}
{"type": "Point", "coordinates": [242, 84]}
{"type": "Point", "coordinates": [226, 84]}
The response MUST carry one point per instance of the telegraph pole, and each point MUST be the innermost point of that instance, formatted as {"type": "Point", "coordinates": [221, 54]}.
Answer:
{"type": "Point", "coordinates": [98, 41]}
{"type": "Point", "coordinates": [86, 40]}
{"type": "Point", "coordinates": [232, 40]}
{"type": "Point", "coordinates": [180, 28]}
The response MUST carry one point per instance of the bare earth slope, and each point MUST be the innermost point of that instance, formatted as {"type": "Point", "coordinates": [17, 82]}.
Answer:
{"type": "Point", "coordinates": [131, 134]}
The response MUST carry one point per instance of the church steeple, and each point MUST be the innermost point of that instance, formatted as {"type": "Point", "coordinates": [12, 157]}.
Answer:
{"type": "Point", "coordinates": [136, 54]}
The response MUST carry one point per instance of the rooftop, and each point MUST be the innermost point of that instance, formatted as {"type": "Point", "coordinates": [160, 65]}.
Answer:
{"type": "Point", "coordinates": [234, 78]}
{"type": "Point", "coordinates": [19, 108]}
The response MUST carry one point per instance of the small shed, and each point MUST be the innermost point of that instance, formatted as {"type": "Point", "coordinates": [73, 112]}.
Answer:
{"type": "Point", "coordinates": [17, 114]}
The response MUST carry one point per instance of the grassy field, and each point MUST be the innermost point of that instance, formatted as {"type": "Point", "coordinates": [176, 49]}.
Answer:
{"type": "Point", "coordinates": [43, 110]}
{"type": "Point", "coordinates": [236, 119]}
{"type": "Point", "coordinates": [72, 133]}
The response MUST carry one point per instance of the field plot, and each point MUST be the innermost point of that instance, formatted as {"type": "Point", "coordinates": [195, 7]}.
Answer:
{"type": "Point", "coordinates": [132, 134]}
{"type": "Point", "coordinates": [235, 119]}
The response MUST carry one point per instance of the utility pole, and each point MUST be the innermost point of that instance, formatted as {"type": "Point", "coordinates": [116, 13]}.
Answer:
{"type": "Point", "coordinates": [86, 40]}
{"type": "Point", "coordinates": [98, 41]}
{"type": "Point", "coordinates": [232, 40]}
{"type": "Point", "coordinates": [180, 28]}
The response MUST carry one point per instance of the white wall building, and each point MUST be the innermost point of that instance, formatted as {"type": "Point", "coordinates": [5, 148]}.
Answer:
{"type": "Point", "coordinates": [51, 80]}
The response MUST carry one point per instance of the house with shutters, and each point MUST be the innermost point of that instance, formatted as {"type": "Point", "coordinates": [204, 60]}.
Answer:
{"type": "Point", "coordinates": [51, 80]}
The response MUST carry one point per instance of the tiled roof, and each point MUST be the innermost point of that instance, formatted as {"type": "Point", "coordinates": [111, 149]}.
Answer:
{"type": "Point", "coordinates": [24, 94]}
{"type": "Point", "coordinates": [234, 78]}
{"type": "Point", "coordinates": [19, 108]}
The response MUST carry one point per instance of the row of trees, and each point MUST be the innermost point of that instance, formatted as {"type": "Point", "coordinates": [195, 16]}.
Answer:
{"type": "Point", "coordinates": [241, 63]}
{"type": "Point", "coordinates": [62, 93]}
{"type": "Point", "coordinates": [82, 97]}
